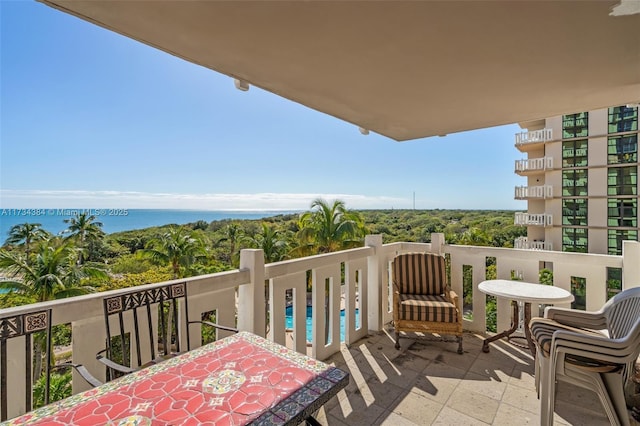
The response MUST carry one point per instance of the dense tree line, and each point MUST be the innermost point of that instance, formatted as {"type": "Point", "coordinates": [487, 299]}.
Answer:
{"type": "Point", "coordinates": [37, 266]}
{"type": "Point", "coordinates": [84, 259]}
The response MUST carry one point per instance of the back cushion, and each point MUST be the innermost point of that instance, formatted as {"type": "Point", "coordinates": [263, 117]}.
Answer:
{"type": "Point", "coordinates": [419, 273]}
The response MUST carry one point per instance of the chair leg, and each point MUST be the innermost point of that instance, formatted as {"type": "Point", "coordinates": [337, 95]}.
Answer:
{"type": "Point", "coordinates": [536, 374]}
{"type": "Point", "coordinates": [547, 392]}
{"type": "Point", "coordinates": [614, 394]}
{"type": "Point", "coordinates": [460, 345]}
{"type": "Point", "coordinates": [397, 340]}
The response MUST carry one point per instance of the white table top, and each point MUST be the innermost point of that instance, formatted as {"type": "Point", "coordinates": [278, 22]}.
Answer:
{"type": "Point", "coordinates": [521, 291]}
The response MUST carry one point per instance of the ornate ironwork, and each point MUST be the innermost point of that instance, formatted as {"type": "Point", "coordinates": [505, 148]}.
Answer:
{"type": "Point", "coordinates": [19, 325]}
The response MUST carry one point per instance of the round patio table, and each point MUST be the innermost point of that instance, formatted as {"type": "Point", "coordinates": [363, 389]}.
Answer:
{"type": "Point", "coordinates": [522, 293]}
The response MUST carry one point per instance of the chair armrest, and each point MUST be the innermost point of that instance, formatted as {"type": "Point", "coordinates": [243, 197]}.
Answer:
{"type": "Point", "coordinates": [596, 347]}
{"type": "Point", "coordinates": [452, 296]}
{"type": "Point", "coordinates": [577, 318]}
{"type": "Point", "coordinates": [82, 370]}
{"type": "Point", "coordinates": [112, 364]}
{"type": "Point", "coordinates": [396, 289]}
{"type": "Point", "coordinates": [213, 324]}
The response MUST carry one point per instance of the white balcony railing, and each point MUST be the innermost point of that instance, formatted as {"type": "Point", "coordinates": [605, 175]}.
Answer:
{"type": "Point", "coordinates": [357, 279]}
{"type": "Point", "coordinates": [535, 136]}
{"type": "Point", "coordinates": [524, 244]}
{"type": "Point", "coordinates": [533, 219]}
{"type": "Point", "coordinates": [527, 192]}
{"type": "Point", "coordinates": [534, 164]}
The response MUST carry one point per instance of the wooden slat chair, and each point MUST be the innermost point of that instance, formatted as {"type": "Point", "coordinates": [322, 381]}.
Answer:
{"type": "Point", "coordinates": [148, 323]}
{"type": "Point", "coordinates": [422, 299]}
{"type": "Point", "coordinates": [594, 350]}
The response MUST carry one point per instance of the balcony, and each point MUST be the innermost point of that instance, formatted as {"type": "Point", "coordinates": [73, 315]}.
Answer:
{"type": "Point", "coordinates": [533, 219]}
{"type": "Point", "coordinates": [533, 192]}
{"type": "Point", "coordinates": [533, 166]}
{"type": "Point", "coordinates": [525, 244]}
{"type": "Point", "coordinates": [535, 138]}
{"type": "Point", "coordinates": [387, 386]}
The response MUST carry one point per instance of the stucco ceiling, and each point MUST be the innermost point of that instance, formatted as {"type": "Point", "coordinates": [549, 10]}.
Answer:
{"type": "Point", "coordinates": [404, 69]}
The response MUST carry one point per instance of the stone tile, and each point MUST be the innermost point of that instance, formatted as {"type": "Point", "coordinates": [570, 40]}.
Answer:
{"type": "Point", "coordinates": [333, 421]}
{"type": "Point", "coordinates": [523, 376]}
{"type": "Point", "coordinates": [354, 411]}
{"type": "Point", "coordinates": [474, 404]}
{"type": "Point", "coordinates": [572, 415]}
{"type": "Point", "coordinates": [415, 360]}
{"type": "Point", "coordinates": [417, 409]}
{"type": "Point", "coordinates": [406, 387]}
{"type": "Point", "coordinates": [450, 417]}
{"type": "Point", "coordinates": [483, 384]}
{"type": "Point", "coordinates": [384, 394]}
{"type": "Point", "coordinates": [437, 382]}
{"type": "Point", "coordinates": [499, 372]}
{"type": "Point", "coordinates": [390, 418]}
{"type": "Point", "coordinates": [400, 377]}
{"type": "Point", "coordinates": [578, 396]}
{"type": "Point", "coordinates": [507, 413]}
{"type": "Point", "coordinates": [521, 398]}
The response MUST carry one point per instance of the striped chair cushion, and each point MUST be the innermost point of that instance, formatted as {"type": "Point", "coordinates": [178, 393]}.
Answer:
{"type": "Point", "coordinates": [542, 330]}
{"type": "Point", "coordinates": [419, 273]}
{"type": "Point", "coordinates": [415, 307]}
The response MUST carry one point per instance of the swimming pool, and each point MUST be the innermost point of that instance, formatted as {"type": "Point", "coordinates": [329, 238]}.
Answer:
{"type": "Point", "coordinates": [289, 321]}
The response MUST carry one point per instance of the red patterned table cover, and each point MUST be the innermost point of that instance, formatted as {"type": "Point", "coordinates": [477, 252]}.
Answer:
{"type": "Point", "coordinates": [241, 379]}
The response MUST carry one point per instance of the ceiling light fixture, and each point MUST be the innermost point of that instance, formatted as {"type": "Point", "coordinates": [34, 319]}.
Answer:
{"type": "Point", "coordinates": [363, 131]}
{"type": "Point", "coordinates": [241, 84]}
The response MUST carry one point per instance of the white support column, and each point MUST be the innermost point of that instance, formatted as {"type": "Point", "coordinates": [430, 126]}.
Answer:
{"type": "Point", "coordinates": [437, 243]}
{"type": "Point", "coordinates": [86, 336]}
{"type": "Point", "coordinates": [251, 303]}
{"type": "Point", "coordinates": [375, 271]}
{"type": "Point", "coordinates": [630, 264]}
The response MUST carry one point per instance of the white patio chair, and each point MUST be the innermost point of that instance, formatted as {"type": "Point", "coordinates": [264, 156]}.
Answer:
{"type": "Point", "coordinates": [593, 350]}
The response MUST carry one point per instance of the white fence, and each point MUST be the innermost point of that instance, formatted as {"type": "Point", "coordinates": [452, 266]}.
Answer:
{"type": "Point", "coordinates": [353, 281]}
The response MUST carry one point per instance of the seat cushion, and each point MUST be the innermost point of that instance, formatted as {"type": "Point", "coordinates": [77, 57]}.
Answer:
{"type": "Point", "coordinates": [419, 273]}
{"type": "Point", "coordinates": [415, 307]}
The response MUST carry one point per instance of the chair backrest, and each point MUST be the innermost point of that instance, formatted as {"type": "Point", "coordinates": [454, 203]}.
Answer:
{"type": "Point", "coordinates": [622, 312]}
{"type": "Point", "coordinates": [23, 326]}
{"type": "Point", "coordinates": [148, 324]}
{"type": "Point", "coordinates": [420, 273]}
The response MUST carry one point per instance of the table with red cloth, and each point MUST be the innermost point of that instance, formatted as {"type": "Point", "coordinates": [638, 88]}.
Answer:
{"type": "Point", "coordinates": [238, 380]}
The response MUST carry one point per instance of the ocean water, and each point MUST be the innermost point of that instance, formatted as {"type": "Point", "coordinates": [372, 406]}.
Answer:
{"type": "Point", "coordinates": [117, 220]}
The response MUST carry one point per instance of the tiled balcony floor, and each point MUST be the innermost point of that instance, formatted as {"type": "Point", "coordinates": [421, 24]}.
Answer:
{"type": "Point", "coordinates": [428, 383]}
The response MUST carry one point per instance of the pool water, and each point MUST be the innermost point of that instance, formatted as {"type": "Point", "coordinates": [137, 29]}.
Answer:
{"type": "Point", "coordinates": [309, 326]}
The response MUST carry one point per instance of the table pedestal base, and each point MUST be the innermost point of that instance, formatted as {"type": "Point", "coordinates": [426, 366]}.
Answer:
{"type": "Point", "coordinates": [515, 321]}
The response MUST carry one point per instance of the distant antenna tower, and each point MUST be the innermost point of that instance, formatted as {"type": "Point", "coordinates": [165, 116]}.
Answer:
{"type": "Point", "coordinates": [414, 200]}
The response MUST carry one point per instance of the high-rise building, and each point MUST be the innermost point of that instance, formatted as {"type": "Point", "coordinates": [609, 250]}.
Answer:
{"type": "Point", "coordinates": [582, 181]}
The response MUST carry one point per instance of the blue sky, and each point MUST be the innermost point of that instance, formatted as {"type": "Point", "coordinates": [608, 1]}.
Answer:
{"type": "Point", "coordinates": [91, 119]}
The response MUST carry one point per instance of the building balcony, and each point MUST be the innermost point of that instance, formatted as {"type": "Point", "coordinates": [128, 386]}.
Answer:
{"type": "Point", "coordinates": [424, 382]}
{"type": "Point", "coordinates": [533, 219]}
{"type": "Point", "coordinates": [533, 166]}
{"type": "Point", "coordinates": [527, 140]}
{"type": "Point", "coordinates": [533, 192]}
{"type": "Point", "coordinates": [524, 244]}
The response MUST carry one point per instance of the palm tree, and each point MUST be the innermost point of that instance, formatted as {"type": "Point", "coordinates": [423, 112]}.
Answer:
{"type": "Point", "coordinates": [83, 228]}
{"type": "Point", "coordinates": [24, 234]}
{"type": "Point", "coordinates": [178, 247]}
{"type": "Point", "coordinates": [233, 233]}
{"type": "Point", "coordinates": [330, 227]}
{"type": "Point", "coordinates": [269, 240]}
{"type": "Point", "coordinates": [475, 237]}
{"type": "Point", "coordinates": [53, 274]}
